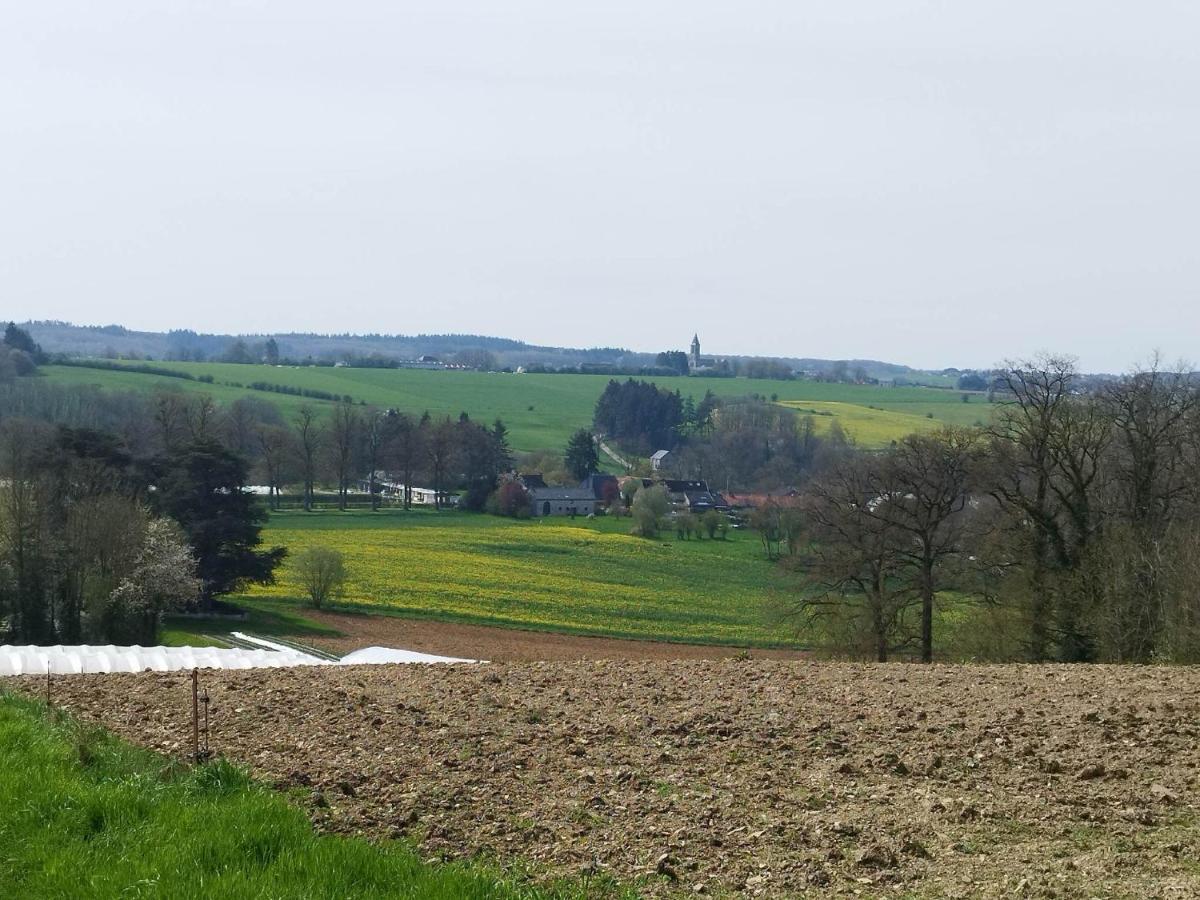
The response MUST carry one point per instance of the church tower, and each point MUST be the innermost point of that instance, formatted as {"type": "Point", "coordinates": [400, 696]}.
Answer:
{"type": "Point", "coordinates": [695, 351]}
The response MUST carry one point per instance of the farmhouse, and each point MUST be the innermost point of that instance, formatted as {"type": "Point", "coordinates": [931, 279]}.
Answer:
{"type": "Point", "coordinates": [559, 501]}
{"type": "Point", "coordinates": [693, 495]}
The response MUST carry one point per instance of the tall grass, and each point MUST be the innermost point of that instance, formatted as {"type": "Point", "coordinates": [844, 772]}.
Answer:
{"type": "Point", "coordinates": [84, 815]}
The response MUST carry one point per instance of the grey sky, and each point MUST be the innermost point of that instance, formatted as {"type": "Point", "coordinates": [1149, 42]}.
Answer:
{"type": "Point", "coordinates": [930, 183]}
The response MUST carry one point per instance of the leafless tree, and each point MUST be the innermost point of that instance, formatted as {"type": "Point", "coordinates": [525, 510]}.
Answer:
{"type": "Point", "coordinates": [1048, 442]}
{"type": "Point", "coordinates": [276, 448]}
{"type": "Point", "coordinates": [852, 565]}
{"type": "Point", "coordinates": [404, 451]}
{"type": "Point", "coordinates": [926, 481]}
{"type": "Point", "coordinates": [375, 436]}
{"type": "Point", "coordinates": [170, 417]}
{"type": "Point", "coordinates": [344, 437]}
{"type": "Point", "coordinates": [310, 437]}
{"type": "Point", "coordinates": [439, 450]}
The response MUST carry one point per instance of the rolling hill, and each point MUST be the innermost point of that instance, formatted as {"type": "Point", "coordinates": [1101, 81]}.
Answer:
{"type": "Point", "coordinates": [540, 410]}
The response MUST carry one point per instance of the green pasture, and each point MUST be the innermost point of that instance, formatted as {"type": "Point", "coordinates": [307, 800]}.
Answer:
{"type": "Point", "coordinates": [540, 411]}
{"type": "Point", "coordinates": [871, 426]}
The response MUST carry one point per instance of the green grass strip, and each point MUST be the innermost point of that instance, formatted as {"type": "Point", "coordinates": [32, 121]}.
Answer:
{"type": "Point", "coordinates": [85, 815]}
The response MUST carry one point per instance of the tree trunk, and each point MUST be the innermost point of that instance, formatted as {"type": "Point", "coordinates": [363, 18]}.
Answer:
{"type": "Point", "coordinates": [926, 610]}
{"type": "Point", "coordinates": [1039, 636]}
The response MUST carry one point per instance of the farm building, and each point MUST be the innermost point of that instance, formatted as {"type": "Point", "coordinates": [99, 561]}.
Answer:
{"type": "Point", "coordinates": [694, 495]}
{"type": "Point", "coordinates": [603, 487]}
{"type": "Point", "coordinates": [557, 501]}
{"type": "Point", "coordinates": [418, 496]}
{"type": "Point", "coordinates": [658, 459]}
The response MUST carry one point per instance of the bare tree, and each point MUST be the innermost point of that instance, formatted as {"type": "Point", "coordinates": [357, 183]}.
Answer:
{"type": "Point", "coordinates": [200, 415]}
{"type": "Point", "coordinates": [404, 451]}
{"type": "Point", "coordinates": [344, 437]}
{"type": "Point", "coordinates": [1048, 441]}
{"type": "Point", "coordinates": [170, 417]}
{"type": "Point", "coordinates": [277, 449]}
{"type": "Point", "coordinates": [376, 433]}
{"type": "Point", "coordinates": [310, 437]}
{"type": "Point", "coordinates": [852, 565]}
{"type": "Point", "coordinates": [1152, 493]}
{"type": "Point", "coordinates": [926, 482]}
{"type": "Point", "coordinates": [440, 449]}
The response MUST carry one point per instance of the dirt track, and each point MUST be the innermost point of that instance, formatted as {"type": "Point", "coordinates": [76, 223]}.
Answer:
{"type": "Point", "coordinates": [505, 644]}
{"type": "Point", "coordinates": [756, 777]}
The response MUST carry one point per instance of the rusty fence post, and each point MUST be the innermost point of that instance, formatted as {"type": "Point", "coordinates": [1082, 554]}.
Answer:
{"type": "Point", "coordinates": [204, 700]}
{"type": "Point", "coordinates": [195, 715]}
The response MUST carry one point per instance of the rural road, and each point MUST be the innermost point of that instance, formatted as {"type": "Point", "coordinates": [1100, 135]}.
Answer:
{"type": "Point", "coordinates": [620, 460]}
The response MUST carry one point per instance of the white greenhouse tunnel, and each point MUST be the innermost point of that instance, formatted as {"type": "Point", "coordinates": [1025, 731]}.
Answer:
{"type": "Point", "coordinates": [88, 660]}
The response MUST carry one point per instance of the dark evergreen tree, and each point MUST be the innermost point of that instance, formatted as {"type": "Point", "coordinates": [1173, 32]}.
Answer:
{"type": "Point", "coordinates": [640, 415]}
{"type": "Point", "coordinates": [201, 487]}
{"type": "Point", "coordinates": [581, 458]}
{"type": "Point", "coordinates": [20, 339]}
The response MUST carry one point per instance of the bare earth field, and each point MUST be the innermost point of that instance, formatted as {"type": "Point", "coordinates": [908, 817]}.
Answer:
{"type": "Point", "coordinates": [504, 644]}
{"type": "Point", "coordinates": [761, 777]}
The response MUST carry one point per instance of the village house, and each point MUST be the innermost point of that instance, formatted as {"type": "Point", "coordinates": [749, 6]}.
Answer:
{"type": "Point", "coordinates": [693, 495]}
{"type": "Point", "coordinates": [562, 501]}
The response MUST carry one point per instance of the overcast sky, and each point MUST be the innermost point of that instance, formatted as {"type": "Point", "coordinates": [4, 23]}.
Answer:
{"type": "Point", "coordinates": [929, 183]}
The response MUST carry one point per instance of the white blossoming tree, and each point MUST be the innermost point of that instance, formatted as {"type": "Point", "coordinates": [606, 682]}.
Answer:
{"type": "Point", "coordinates": [163, 578]}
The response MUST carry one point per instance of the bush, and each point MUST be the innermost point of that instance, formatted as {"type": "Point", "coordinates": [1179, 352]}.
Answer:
{"type": "Point", "coordinates": [712, 522]}
{"type": "Point", "coordinates": [650, 508]}
{"type": "Point", "coordinates": [685, 526]}
{"type": "Point", "coordinates": [322, 572]}
{"type": "Point", "coordinates": [510, 499]}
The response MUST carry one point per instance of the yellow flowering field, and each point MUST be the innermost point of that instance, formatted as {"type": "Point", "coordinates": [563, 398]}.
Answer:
{"type": "Point", "coordinates": [556, 575]}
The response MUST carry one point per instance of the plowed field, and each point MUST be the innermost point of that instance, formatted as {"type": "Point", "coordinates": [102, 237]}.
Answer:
{"type": "Point", "coordinates": [761, 777]}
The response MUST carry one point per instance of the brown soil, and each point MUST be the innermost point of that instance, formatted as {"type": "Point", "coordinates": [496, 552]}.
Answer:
{"type": "Point", "coordinates": [505, 644]}
{"type": "Point", "coordinates": [759, 777]}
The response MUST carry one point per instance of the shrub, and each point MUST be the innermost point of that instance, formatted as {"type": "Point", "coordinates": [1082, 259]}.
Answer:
{"type": "Point", "coordinates": [510, 499]}
{"type": "Point", "coordinates": [711, 522]}
{"type": "Point", "coordinates": [322, 572]}
{"type": "Point", "coordinates": [650, 508]}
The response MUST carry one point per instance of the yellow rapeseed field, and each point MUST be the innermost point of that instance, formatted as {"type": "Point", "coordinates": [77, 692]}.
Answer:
{"type": "Point", "coordinates": [581, 576]}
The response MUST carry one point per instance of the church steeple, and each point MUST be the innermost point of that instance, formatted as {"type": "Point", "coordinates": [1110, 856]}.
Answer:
{"type": "Point", "coordinates": [695, 351]}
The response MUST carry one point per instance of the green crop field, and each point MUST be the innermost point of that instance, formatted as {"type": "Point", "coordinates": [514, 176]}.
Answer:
{"type": "Point", "coordinates": [541, 411]}
{"type": "Point", "coordinates": [88, 816]}
{"type": "Point", "coordinates": [872, 426]}
{"type": "Point", "coordinates": [583, 577]}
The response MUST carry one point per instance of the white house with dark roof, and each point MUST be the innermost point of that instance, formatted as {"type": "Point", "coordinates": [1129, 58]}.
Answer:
{"type": "Point", "coordinates": [562, 501]}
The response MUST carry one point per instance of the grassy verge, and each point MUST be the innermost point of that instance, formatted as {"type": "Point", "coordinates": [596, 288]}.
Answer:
{"type": "Point", "coordinates": [86, 815]}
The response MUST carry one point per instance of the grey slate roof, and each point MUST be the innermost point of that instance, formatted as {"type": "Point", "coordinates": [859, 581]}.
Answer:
{"type": "Point", "coordinates": [560, 493]}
